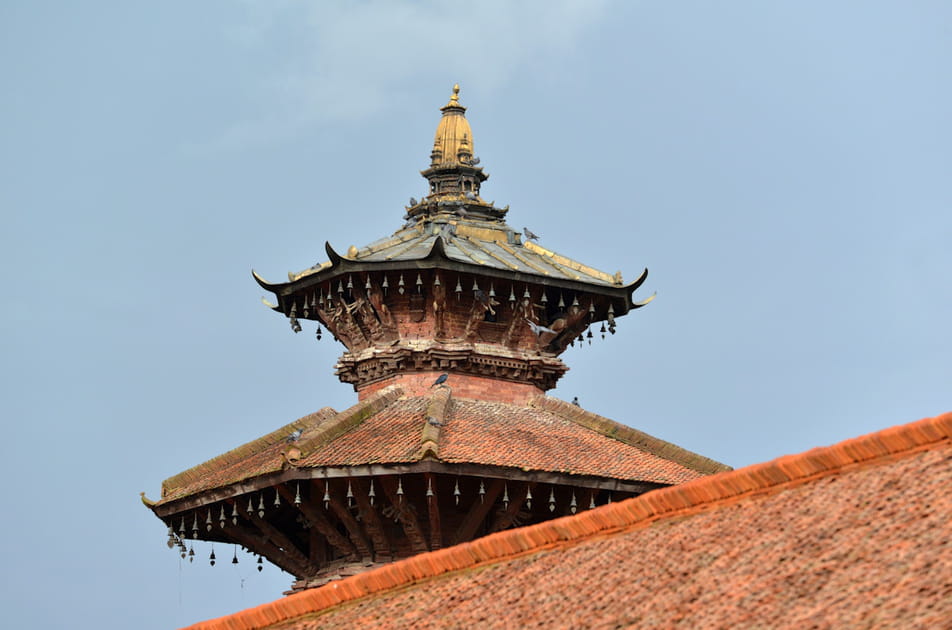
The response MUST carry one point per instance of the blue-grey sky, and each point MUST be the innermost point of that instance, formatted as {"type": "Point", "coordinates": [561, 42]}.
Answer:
{"type": "Point", "coordinates": [782, 168]}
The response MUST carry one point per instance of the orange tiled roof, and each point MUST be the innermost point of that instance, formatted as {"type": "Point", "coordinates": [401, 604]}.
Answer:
{"type": "Point", "coordinates": [389, 428]}
{"type": "Point", "coordinates": [853, 535]}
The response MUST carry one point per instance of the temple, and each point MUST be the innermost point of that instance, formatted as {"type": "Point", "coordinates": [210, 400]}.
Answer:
{"type": "Point", "coordinates": [452, 328]}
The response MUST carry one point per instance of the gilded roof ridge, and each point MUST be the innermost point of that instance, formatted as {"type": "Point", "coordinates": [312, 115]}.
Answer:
{"type": "Point", "coordinates": [672, 502]}
{"type": "Point", "coordinates": [569, 262]}
{"type": "Point", "coordinates": [470, 243]}
{"type": "Point", "coordinates": [628, 435]}
{"type": "Point", "coordinates": [240, 453]}
{"type": "Point", "coordinates": [528, 263]}
{"type": "Point", "coordinates": [350, 418]}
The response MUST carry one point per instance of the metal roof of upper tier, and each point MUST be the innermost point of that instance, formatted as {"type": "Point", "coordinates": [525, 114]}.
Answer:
{"type": "Point", "coordinates": [478, 243]}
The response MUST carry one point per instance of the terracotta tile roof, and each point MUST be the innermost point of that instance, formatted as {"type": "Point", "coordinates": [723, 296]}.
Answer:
{"type": "Point", "coordinates": [853, 535]}
{"type": "Point", "coordinates": [387, 427]}
{"type": "Point", "coordinates": [536, 439]}
{"type": "Point", "coordinates": [258, 457]}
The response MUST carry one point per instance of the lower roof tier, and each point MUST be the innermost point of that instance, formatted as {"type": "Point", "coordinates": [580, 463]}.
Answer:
{"type": "Point", "coordinates": [394, 426]}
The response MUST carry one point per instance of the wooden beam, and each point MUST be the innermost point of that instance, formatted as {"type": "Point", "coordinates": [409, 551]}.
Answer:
{"type": "Point", "coordinates": [342, 512]}
{"type": "Point", "coordinates": [278, 537]}
{"type": "Point", "coordinates": [175, 509]}
{"type": "Point", "coordinates": [259, 544]}
{"type": "Point", "coordinates": [477, 513]}
{"type": "Point", "coordinates": [517, 498]}
{"type": "Point", "coordinates": [316, 547]}
{"type": "Point", "coordinates": [372, 523]}
{"type": "Point", "coordinates": [433, 507]}
{"type": "Point", "coordinates": [319, 522]}
{"type": "Point", "coordinates": [406, 514]}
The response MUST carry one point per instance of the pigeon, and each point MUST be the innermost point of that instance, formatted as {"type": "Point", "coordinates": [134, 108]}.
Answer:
{"type": "Point", "coordinates": [295, 436]}
{"type": "Point", "coordinates": [461, 213]}
{"type": "Point", "coordinates": [413, 201]}
{"type": "Point", "coordinates": [434, 421]}
{"type": "Point", "coordinates": [485, 300]}
{"type": "Point", "coordinates": [538, 329]}
{"type": "Point", "coordinates": [474, 161]}
{"type": "Point", "coordinates": [439, 381]}
{"type": "Point", "coordinates": [470, 195]}
{"type": "Point", "coordinates": [530, 235]}
{"type": "Point", "coordinates": [446, 232]}
{"type": "Point", "coordinates": [575, 402]}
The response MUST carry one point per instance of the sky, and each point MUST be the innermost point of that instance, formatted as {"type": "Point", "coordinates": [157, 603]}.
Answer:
{"type": "Point", "coordinates": [782, 169]}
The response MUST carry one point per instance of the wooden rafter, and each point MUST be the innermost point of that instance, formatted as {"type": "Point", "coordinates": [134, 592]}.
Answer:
{"type": "Point", "coordinates": [406, 515]}
{"type": "Point", "coordinates": [433, 507]}
{"type": "Point", "coordinates": [517, 498]}
{"type": "Point", "coordinates": [375, 529]}
{"type": "Point", "coordinates": [316, 549]}
{"type": "Point", "coordinates": [319, 522]}
{"type": "Point", "coordinates": [342, 512]}
{"type": "Point", "coordinates": [249, 538]}
{"type": "Point", "coordinates": [477, 513]}
{"type": "Point", "coordinates": [278, 537]}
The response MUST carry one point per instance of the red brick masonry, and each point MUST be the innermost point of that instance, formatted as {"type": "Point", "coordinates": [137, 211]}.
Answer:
{"type": "Point", "coordinates": [463, 385]}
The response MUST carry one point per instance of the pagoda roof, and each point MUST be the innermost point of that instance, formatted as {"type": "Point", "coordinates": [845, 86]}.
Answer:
{"type": "Point", "coordinates": [390, 428]}
{"type": "Point", "coordinates": [852, 535]}
{"type": "Point", "coordinates": [475, 245]}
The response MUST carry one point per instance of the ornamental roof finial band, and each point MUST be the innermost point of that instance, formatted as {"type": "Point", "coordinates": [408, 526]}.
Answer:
{"type": "Point", "coordinates": [453, 105]}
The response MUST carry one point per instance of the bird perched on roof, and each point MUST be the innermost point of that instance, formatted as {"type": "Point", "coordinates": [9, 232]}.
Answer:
{"type": "Point", "coordinates": [539, 329]}
{"type": "Point", "coordinates": [474, 161]}
{"type": "Point", "coordinates": [461, 213]}
{"type": "Point", "coordinates": [530, 235]}
{"type": "Point", "coordinates": [575, 402]}
{"type": "Point", "coordinates": [432, 420]}
{"type": "Point", "coordinates": [471, 195]}
{"type": "Point", "coordinates": [295, 435]}
{"type": "Point", "coordinates": [446, 232]}
{"type": "Point", "coordinates": [440, 380]}
{"type": "Point", "coordinates": [413, 201]}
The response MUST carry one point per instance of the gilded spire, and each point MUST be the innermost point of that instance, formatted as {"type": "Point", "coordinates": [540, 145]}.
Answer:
{"type": "Point", "coordinates": [452, 134]}
{"type": "Point", "coordinates": [454, 173]}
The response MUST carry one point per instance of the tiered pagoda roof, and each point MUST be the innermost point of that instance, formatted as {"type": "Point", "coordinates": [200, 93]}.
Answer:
{"type": "Point", "coordinates": [452, 328]}
{"type": "Point", "coordinates": [545, 435]}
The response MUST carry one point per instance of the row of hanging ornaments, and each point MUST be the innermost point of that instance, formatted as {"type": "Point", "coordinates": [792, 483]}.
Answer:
{"type": "Point", "coordinates": [178, 539]}
{"type": "Point", "coordinates": [328, 301]}
{"type": "Point", "coordinates": [189, 552]}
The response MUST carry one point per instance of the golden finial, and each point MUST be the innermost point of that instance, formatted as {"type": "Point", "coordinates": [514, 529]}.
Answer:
{"type": "Point", "coordinates": [454, 100]}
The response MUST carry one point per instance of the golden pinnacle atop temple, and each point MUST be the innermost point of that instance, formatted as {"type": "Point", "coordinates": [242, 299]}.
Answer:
{"type": "Point", "coordinates": [452, 328]}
